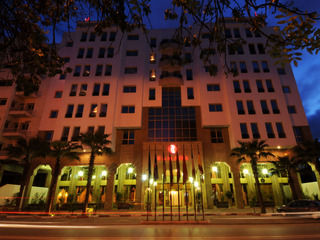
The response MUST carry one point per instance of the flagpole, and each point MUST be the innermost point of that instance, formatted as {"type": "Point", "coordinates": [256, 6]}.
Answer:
{"type": "Point", "coordinates": [178, 182]}
{"type": "Point", "coordinates": [155, 201]}
{"type": "Point", "coordinates": [148, 197]}
{"type": "Point", "coordinates": [171, 179]}
{"type": "Point", "coordinates": [201, 198]}
{"type": "Point", "coordinates": [163, 179]}
{"type": "Point", "coordinates": [186, 199]}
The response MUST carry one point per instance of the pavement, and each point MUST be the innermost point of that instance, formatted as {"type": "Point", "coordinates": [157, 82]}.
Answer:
{"type": "Point", "coordinates": [216, 216]}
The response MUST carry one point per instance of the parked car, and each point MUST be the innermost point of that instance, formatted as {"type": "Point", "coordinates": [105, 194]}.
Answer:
{"type": "Point", "coordinates": [300, 206]}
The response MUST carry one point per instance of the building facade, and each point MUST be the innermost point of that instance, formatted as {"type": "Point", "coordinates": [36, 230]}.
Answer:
{"type": "Point", "coordinates": [150, 93]}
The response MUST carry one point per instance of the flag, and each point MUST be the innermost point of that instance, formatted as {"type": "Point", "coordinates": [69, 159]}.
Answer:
{"type": "Point", "coordinates": [155, 170]}
{"type": "Point", "coordinates": [170, 168]}
{"type": "Point", "coordinates": [193, 167]}
{"type": "Point", "coordinates": [149, 165]}
{"type": "Point", "coordinates": [164, 168]}
{"type": "Point", "coordinates": [199, 162]}
{"type": "Point", "coordinates": [184, 168]}
{"type": "Point", "coordinates": [178, 168]}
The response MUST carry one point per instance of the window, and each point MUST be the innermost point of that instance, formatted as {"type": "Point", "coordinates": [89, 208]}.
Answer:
{"type": "Point", "coordinates": [244, 130]}
{"type": "Point", "coordinates": [92, 37]}
{"type": "Point", "coordinates": [261, 49]}
{"type": "Point", "coordinates": [236, 86]}
{"type": "Point", "coordinates": [213, 87]}
{"type": "Point", "coordinates": [102, 52]}
{"type": "Point", "coordinates": [90, 129]}
{"type": "Point", "coordinates": [130, 70]}
{"type": "Point", "coordinates": [228, 33]}
{"type": "Point", "coordinates": [265, 66]}
{"type": "Point", "coordinates": [216, 136]}
{"type": "Point", "coordinates": [255, 130]}
{"type": "Point", "coordinates": [189, 74]}
{"type": "Point", "coordinates": [129, 89]}
{"type": "Point", "coordinates": [240, 49]}
{"type": "Point", "coordinates": [190, 93]}
{"type": "Point", "coordinates": [65, 133]}
{"type": "Point", "coordinates": [215, 107]}
{"type": "Point", "coordinates": [246, 86]}
{"type": "Point", "coordinates": [269, 85]}
{"type": "Point", "coordinates": [188, 57]}
{"type": "Point", "coordinates": [240, 107]}
{"type": "Point", "coordinates": [103, 110]}
{"type": "Point", "coordinates": [48, 135]}
{"type": "Point", "coordinates": [298, 134]}
{"type": "Point", "coordinates": [255, 66]}
{"type": "Point", "coordinates": [83, 36]}
{"type": "Point", "coordinates": [108, 71]}
{"type": "Point", "coordinates": [99, 70]}
{"type": "Point", "coordinates": [96, 89]}
{"type": "Point", "coordinates": [236, 33]}
{"type": "Point", "coordinates": [292, 109]}
{"type": "Point", "coordinates": [127, 109]}
{"type": "Point", "coordinates": [281, 71]}
{"type": "Point", "coordinates": [153, 42]}
{"type": "Point", "coordinates": [66, 59]}
{"type": "Point", "coordinates": [69, 44]}
{"type": "Point", "coordinates": [69, 111]}
{"type": "Point", "coordinates": [250, 107]}
{"type": "Point", "coordinates": [105, 90]}
{"type": "Point", "coordinates": [3, 101]}
{"type": "Point", "coordinates": [128, 137]}
{"type": "Point", "coordinates": [103, 37]}
{"type": "Point", "coordinates": [63, 76]}
{"type": "Point", "coordinates": [233, 67]}
{"type": "Point", "coordinates": [152, 94]}
{"type": "Point", "coordinates": [86, 71]}
{"type": "Point", "coordinates": [259, 86]}
{"type": "Point", "coordinates": [77, 71]}
{"type": "Point", "coordinates": [53, 114]}
{"type": "Point", "coordinates": [93, 110]}
{"type": "Point", "coordinates": [89, 53]}
{"type": "Point", "coordinates": [264, 107]}
{"type": "Point", "coordinates": [112, 36]}
{"type": "Point", "coordinates": [269, 130]}
{"type": "Point", "coordinates": [231, 49]}
{"type": "Point", "coordinates": [58, 94]}
{"type": "Point", "coordinates": [75, 134]}
{"type": "Point", "coordinates": [274, 106]}
{"type": "Point", "coordinates": [133, 37]}
{"type": "Point", "coordinates": [110, 52]}
{"type": "Point", "coordinates": [243, 67]}
{"type": "Point", "coordinates": [132, 53]}
{"type": "Point", "coordinates": [280, 130]}
{"type": "Point", "coordinates": [101, 129]}
{"type": "Point", "coordinates": [152, 58]}
{"type": "Point", "coordinates": [79, 111]}
{"type": "Point", "coordinates": [248, 33]}
{"type": "Point", "coordinates": [286, 89]}
{"type": "Point", "coordinates": [252, 49]}
{"type": "Point", "coordinates": [80, 53]}
{"type": "Point", "coordinates": [83, 89]}
{"type": "Point", "coordinates": [73, 91]}
{"type": "Point", "coordinates": [152, 75]}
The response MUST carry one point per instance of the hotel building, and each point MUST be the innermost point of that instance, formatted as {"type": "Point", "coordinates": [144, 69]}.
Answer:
{"type": "Point", "coordinates": [150, 93]}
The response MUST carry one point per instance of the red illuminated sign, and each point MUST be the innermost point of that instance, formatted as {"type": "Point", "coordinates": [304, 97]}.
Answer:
{"type": "Point", "coordinates": [172, 149]}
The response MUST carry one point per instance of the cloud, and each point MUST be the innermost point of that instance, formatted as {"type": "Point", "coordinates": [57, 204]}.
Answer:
{"type": "Point", "coordinates": [314, 122]}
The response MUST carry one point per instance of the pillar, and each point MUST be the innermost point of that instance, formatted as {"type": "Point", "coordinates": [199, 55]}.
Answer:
{"type": "Point", "coordinates": [237, 187]}
{"type": "Point", "coordinates": [109, 188]}
{"type": "Point", "coordinates": [277, 192]}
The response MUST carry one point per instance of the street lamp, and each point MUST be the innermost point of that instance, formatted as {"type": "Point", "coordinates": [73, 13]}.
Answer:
{"type": "Point", "coordinates": [144, 177]}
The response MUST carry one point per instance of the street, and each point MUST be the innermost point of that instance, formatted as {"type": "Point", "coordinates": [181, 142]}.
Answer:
{"type": "Point", "coordinates": [235, 228]}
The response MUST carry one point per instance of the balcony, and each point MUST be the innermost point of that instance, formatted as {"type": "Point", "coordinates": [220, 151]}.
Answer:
{"type": "Point", "coordinates": [171, 79]}
{"type": "Point", "coordinates": [14, 133]}
{"type": "Point", "coordinates": [21, 94]}
{"type": "Point", "coordinates": [20, 111]}
{"type": "Point", "coordinates": [170, 46]}
{"type": "Point", "coordinates": [169, 62]}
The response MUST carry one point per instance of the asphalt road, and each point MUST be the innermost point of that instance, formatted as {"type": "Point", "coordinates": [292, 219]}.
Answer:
{"type": "Point", "coordinates": [47, 229]}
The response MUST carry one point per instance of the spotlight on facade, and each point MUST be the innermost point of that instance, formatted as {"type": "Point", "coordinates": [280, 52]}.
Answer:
{"type": "Point", "coordinates": [196, 184]}
{"type": "Point", "coordinates": [104, 173]}
{"type": "Point", "coordinates": [130, 170]}
{"type": "Point", "coordinates": [215, 169]}
{"type": "Point", "coordinates": [265, 171]}
{"type": "Point", "coordinates": [80, 173]}
{"type": "Point", "coordinates": [94, 177]}
{"type": "Point", "coordinates": [155, 184]}
{"type": "Point", "coordinates": [278, 147]}
{"type": "Point", "coordinates": [191, 179]}
{"type": "Point", "coordinates": [144, 177]}
{"type": "Point", "coordinates": [245, 171]}
{"type": "Point", "coordinates": [151, 181]}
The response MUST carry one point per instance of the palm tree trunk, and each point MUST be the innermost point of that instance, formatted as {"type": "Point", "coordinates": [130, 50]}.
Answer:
{"type": "Point", "coordinates": [258, 190]}
{"type": "Point", "coordinates": [53, 186]}
{"type": "Point", "coordinates": [88, 188]}
{"type": "Point", "coordinates": [22, 187]}
{"type": "Point", "coordinates": [294, 184]}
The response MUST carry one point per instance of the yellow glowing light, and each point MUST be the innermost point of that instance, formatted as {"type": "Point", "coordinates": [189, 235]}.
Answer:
{"type": "Point", "coordinates": [245, 171]}
{"type": "Point", "coordinates": [80, 173]}
{"type": "Point", "coordinates": [279, 147]}
{"type": "Point", "coordinates": [214, 169]}
{"type": "Point", "coordinates": [130, 170]}
{"type": "Point", "coordinates": [104, 173]}
{"type": "Point", "coordinates": [94, 177]}
{"type": "Point", "coordinates": [265, 171]}
{"type": "Point", "coordinates": [144, 177]}
{"type": "Point", "coordinates": [155, 183]}
{"type": "Point", "coordinates": [172, 148]}
{"type": "Point", "coordinates": [151, 181]}
{"type": "Point", "coordinates": [191, 179]}
{"type": "Point", "coordinates": [196, 184]}
{"type": "Point", "coordinates": [59, 195]}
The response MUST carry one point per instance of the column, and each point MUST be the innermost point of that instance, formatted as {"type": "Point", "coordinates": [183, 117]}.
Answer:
{"type": "Point", "coordinates": [110, 186]}
{"type": "Point", "coordinates": [277, 193]}
{"type": "Point", "coordinates": [237, 187]}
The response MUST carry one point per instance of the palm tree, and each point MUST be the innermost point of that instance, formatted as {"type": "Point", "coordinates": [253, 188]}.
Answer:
{"type": "Point", "coordinates": [290, 166]}
{"type": "Point", "coordinates": [309, 151]}
{"type": "Point", "coordinates": [98, 144]}
{"type": "Point", "coordinates": [24, 152]}
{"type": "Point", "coordinates": [59, 150]}
{"type": "Point", "coordinates": [253, 151]}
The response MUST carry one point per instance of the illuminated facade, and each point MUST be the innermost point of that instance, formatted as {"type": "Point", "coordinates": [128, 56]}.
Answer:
{"type": "Point", "coordinates": [148, 95]}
